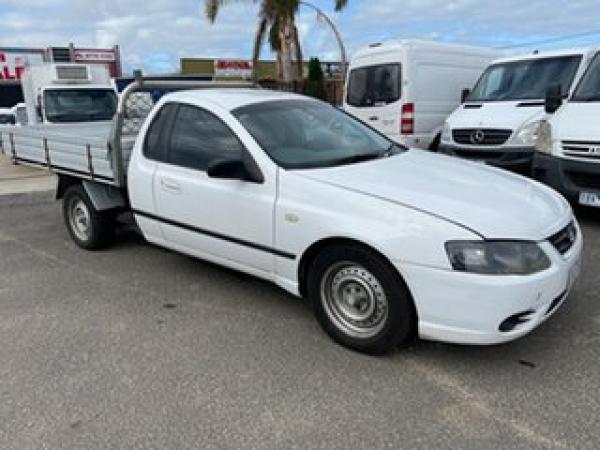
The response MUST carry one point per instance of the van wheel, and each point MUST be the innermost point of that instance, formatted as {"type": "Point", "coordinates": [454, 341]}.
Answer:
{"type": "Point", "coordinates": [360, 300]}
{"type": "Point", "coordinates": [90, 229]}
{"type": "Point", "coordinates": [435, 144]}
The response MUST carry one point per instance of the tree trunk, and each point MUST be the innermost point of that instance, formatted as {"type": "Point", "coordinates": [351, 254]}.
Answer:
{"type": "Point", "coordinates": [298, 55]}
{"type": "Point", "coordinates": [286, 36]}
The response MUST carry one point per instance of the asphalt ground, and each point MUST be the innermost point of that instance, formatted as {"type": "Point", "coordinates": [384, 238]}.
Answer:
{"type": "Point", "coordinates": [139, 347]}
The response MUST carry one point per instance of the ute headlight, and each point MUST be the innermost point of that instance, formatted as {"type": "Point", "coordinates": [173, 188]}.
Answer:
{"type": "Point", "coordinates": [446, 135]}
{"type": "Point", "coordinates": [543, 143]}
{"type": "Point", "coordinates": [497, 257]}
{"type": "Point", "coordinates": [527, 135]}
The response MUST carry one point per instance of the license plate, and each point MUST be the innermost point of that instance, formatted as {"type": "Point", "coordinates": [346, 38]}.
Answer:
{"type": "Point", "coordinates": [589, 199]}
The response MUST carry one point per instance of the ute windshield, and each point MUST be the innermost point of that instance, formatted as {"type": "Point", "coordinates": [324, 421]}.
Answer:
{"type": "Point", "coordinates": [589, 86]}
{"type": "Point", "coordinates": [79, 105]}
{"type": "Point", "coordinates": [300, 134]}
{"type": "Point", "coordinates": [527, 79]}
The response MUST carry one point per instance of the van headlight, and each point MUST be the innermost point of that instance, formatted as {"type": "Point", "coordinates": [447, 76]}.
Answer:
{"type": "Point", "coordinates": [446, 135]}
{"type": "Point", "coordinates": [497, 257]}
{"type": "Point", "coordinates": [527, 135]}
{"type": "Point", "coordinates": [543, 143]}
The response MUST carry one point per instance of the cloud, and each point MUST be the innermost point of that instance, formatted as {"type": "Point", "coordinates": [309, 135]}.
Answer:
{"type": "Point", "coordinates": [154, 34]}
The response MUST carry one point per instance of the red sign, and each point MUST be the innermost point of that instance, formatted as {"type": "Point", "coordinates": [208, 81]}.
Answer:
{"type": "Point", "coordinates": [233, 68]}
{"type": "Point", "coordinates": [12, 64]}
{"type": "Point", "coordinates": [81, 55]}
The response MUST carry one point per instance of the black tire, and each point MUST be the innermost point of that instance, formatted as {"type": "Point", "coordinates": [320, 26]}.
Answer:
{"type": "Point", "coordinates": [395, 327]}
{"type": "Point", "coordinates": [435, 144]}
{"type": "Point", "coordinates": [99, 226]}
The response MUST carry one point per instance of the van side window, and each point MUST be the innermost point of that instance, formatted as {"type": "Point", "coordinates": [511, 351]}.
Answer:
{"type": "Point", "coordinates": [374, 85]}
{"type": "Point", "coordinates": [199, 138]}
{"type": "Point", "coordinates": [155, 145]}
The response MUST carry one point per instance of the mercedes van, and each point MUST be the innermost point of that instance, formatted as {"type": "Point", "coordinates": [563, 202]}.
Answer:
{"type": "Point", "coordinates": [568, 144]}
{"type": "Point", "coordinates": [498, 121]}
{"type": "Point", "coordinates": [406, 89]}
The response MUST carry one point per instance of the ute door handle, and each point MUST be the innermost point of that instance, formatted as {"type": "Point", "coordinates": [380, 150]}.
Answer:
{"type": "Point", "coordinates": [170, 186]}
{"type": "Point", "coordinates": [373, 118]}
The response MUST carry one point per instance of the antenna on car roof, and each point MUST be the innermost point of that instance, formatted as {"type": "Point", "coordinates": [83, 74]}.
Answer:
{"type": "Point", "coordinates": [536, 51]}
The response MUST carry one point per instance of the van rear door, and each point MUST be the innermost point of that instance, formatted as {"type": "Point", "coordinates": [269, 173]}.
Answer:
{"type": "Point", "coordinates": [373, 95]}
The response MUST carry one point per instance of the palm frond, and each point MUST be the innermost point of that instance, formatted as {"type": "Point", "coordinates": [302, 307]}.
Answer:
{"type": "Point", "coordinates": [211, 8]}
{"type": "Point", "coordinates": [340, 4]}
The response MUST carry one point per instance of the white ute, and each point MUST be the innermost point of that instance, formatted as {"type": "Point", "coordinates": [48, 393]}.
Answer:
{"type": "Point", "coordinates": [388, 243]}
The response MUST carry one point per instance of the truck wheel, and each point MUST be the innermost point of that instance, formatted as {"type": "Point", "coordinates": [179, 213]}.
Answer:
{"type": "Point", "coordinates": [90, 229]}
{"type": "Point", "coordinates": [360, 300]}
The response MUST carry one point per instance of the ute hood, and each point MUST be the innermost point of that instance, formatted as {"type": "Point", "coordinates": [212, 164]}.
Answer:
{"type": "Point", "coordinates": [493, 203]}
{"type": "Point", "coordinates": [502, 115]}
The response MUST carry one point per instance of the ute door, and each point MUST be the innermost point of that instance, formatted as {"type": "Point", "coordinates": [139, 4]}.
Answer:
{"type": "Point", "coordinates": [142, 170]}
{"type": "Point", "coordinates": [229, 221]}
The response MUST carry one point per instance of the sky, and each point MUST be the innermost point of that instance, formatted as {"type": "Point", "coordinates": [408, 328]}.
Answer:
{"type": "Point", "coordinates": [155, 34]}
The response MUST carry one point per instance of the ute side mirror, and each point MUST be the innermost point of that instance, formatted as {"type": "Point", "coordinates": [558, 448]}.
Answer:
{"type": "Point", "coordinates": [554, 98]}
{"type": "Point", "coordinates": [233, 169]}
{"type": "Point", "coordinates": [464, 95]}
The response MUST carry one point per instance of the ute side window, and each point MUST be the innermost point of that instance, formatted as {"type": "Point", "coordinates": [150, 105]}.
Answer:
{"type": "Point", "coordinates": [199, 138]}
{"type": "Point", "coordinates": [155, 145]}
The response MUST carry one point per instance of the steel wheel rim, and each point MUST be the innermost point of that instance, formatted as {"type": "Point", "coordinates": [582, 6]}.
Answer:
{"type": "Point", "coordinates": [354, 299]}
{"type": "Point", "coordinates": [79, 219]}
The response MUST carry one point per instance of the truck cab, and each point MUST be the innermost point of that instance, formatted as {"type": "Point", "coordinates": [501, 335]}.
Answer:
{"type": "Point", "coordinates": [498, 121]}
{"type": "Point", "coordinates": [568, 143]}
{"type": "Point", "coordinates": [62, 94]}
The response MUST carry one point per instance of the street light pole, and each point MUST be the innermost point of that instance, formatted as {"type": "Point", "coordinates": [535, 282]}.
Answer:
{"type": "Point", "coordinates": [338, 37]}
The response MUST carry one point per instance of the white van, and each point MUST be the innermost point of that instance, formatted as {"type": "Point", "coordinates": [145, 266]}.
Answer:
{"type": "Point", "coordinates": [568, 143]}
{"type": "Point", "coordinates": [498, 121]}
{"type": "Point", "coordinates": [406, 89]}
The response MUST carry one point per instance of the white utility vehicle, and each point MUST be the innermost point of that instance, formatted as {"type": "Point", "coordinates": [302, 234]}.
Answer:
{"type": "Point", "coordinates": [388, 243]}
{"type": "Point", "coordinates": [498, 121]}
{"type": "Point", "coordinates": [568, 146]}
{"type": "Point", "coordinates": [406, 89]}
{"type": "Point", "coordinates": [7, 116]}
{"type": "Point", "coordinates": [64, 104]}
{"type": "Point", "coordinates": [62, 94]}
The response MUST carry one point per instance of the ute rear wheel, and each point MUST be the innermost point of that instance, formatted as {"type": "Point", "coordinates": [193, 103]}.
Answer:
{"type": "Point", "coordinates": [89, 228]}
{"type": "Point", "coordinates": [360, 300]}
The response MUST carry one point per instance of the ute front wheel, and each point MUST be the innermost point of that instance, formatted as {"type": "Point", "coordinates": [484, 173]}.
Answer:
{"type": "Point", "coordinates": [360, 299]}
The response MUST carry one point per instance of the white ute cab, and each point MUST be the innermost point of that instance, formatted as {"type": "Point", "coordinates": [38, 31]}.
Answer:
{"type": "Point", "coordinates": [387, 243]}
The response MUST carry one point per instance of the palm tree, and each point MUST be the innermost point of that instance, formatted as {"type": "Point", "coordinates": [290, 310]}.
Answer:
{"type": "Point", "coordinates": [277, 19]}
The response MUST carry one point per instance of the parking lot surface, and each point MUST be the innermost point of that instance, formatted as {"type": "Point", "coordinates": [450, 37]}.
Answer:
{"type": "Point", "coordinates": [139, 347]}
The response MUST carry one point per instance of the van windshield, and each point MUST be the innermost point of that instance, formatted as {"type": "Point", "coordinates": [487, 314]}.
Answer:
{"type": "Point", "coordinates": [589, 86]}
{"type": "Point", "coordinates": [374, 85]}
{"type": "Point", "coordinates": [79, 105]}
{"type": "Point", "coordinates": [526, 79]}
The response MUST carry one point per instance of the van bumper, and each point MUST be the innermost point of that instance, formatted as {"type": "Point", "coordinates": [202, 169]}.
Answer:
{"type": "Point", "coordinates": [518, 159]}
{"type": "Point", "coordinates": [569, 177]}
